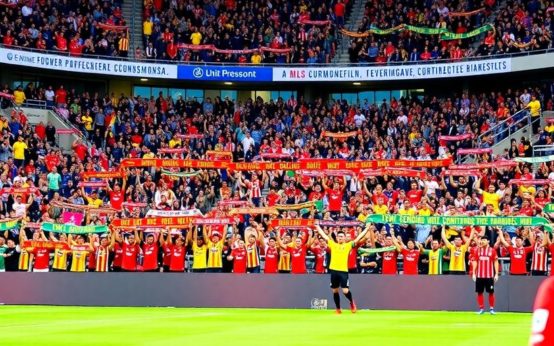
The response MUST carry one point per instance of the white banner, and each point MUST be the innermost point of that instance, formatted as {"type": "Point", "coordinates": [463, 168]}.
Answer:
{"type": "Point", "coordinates": [396, 72]}
{"type": "Point", "coordinates": [174, 213]}
{"type": "Point", "coordinates": [87, 65]}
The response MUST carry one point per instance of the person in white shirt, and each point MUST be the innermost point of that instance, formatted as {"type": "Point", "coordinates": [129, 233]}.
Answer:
{"type": "Point", "coordinates": [359, 119]}
{"type": "Point", "coordinates": [402, 118]}
{"type": "Point", "coordinates": [19, 207]}
{"type": "Point", "coordinates": [525, 98]}
{"type": "Point", "coordinates": [49, 94]}
{"type": "Point", "coordinates": [247, 142]}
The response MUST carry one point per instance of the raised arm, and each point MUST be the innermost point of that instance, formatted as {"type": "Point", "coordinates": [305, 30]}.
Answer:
{"type": "Point", "coordinates": [444, 238]}
{"type": "Point", "coordinates": [362, 235]}
{"type": "Point", "coordinates": [311, 238]}
{"type": "Point", "coordinates": [501, 238]}
{"type": "Point", "coordinates": [321, 233]}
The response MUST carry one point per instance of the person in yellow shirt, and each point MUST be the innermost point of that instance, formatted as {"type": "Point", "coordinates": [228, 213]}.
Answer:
{"type": "Point", "coordinates": [59, 263]}
{"type": "Point", "coordinates": [19, 148]}
{"type": "Point", "coordinates": [380, 208]}
{"type": "Point", "coordinates": [196, 37]}
{"type": "Point", "coordinates": [458, 251]}
{"type": "Point", "coordinates": [147, 28]}
{"type": "Point", "coordinates": [407, 209]}
{"type": "Point", "coordinates": [175, 141]}
{"type": "Point", "coordinates": [86, 119]}
{"type": "Point", "coordinates": [256, 58]}
{"type": "Point", "coordinates": [199, 252]}
{"type": "Point", "coordinates": [490, 196]}
{"type": "Point", "coordinates": [215, 250]}
{"type": "Point", "coordinates": [79, 253]}
{"type": "Point", "coordinates": [19, 96]}
{"type": "Point", "coordinates": [93, 200]}
{"type": "Point", "coordinates": [338, 268]}
{"type": "Point", "coordinates": [535, 109]}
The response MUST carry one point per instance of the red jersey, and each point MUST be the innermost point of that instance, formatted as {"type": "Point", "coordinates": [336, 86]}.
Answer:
{"type": "Point", "coordinates": [411, 261]}
{"type": "Point", "coordinates": [167, 256]}
{"type": "Point", "coordinates": [319, 253]}
{"type": "Point", "coordinates": [390, 262]}
{"type": "Point", "coordinates": [485, 258]}
{"type": "Point", "coordinates": [379, 198]}
{"type": "Point", "coordinates": [177, 258]}
{"type": "Point", "coordinates": [542, 329]}
{"type": "Point", "coordinates": [239, 260]}
{"type": "Point", "coordinates": [42, 258]}
{"type": "Point", "coordinates": [118, 257]}
{"type": "Point", "coordinates": [271, 260]}
{"type": "Point", "coordinates": [116, 199]}
{"type": "Point", "coordinates": [518, 259]}
{"type": "Point", "coordinates": [414, 196]}
{"type": "Point", "coordinates": [540, 258]}
{"type": "Point", "coordinates": [150, 261]}
{"type": "Point", "coordinates": [130, 254]}
{"type": "Point", "coordinates": [335, 199]}
{"type": "Point", "coordinates": [298, 259]}
{"type": "Point", "coordinates": [353, 258]}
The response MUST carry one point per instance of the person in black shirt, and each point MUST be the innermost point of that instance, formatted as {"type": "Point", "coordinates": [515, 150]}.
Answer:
{"type": "Point", "coordinates": [11, 257]}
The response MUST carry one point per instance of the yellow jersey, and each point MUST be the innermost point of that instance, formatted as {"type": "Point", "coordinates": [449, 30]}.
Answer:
{"type": "Point", "coordinates": [284, 261]}
{"type": "Point", "coordinates": [534, 108]}
{"type": "Point", "coordinates": [18, 97]}
{"type": "Point", "coordinates": [95, 202]}
{"type": "Point", "coordinates": [380, 209]}
{"type": "Point", "coordinates": [147, 28]}
{"type": "Point", "coordinates": [60, 259]}
{"type": "Point", "coordinates": [491, 198]}
{"type": "Point", "coordinates": [339, 255]}
{"type": "Point", "coordinates": [87, 121]}
{"type": "Point", "coordinates": [24, 259]}
{"type": "Point", "coordinates": [19, 150]}
{"type": "Point", "coordinates": [215, 254]}
{"type": "Point", "coordinates": [196, 38]}
{"type": "Point", "coordinates": [199, 256]}
{"type": "Point", "coordinates": [457, 258]}
{"type": "Point", "coordinates": [78, 260]}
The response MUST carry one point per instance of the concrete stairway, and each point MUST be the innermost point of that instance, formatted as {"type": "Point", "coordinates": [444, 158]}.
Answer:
{"type": "Point", "coordinates": [132, 12]}
{"type": "Point", "coordinates": [352, 23]}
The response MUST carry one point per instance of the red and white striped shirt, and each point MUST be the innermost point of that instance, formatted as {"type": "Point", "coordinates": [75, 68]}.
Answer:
{"type": "Point", "coordinates": [252, 255]}
{"type": "Point", "coordinates": [255, 190]}
{"type": "Point", "coordinates": [485, 258]}
{"type": "Point", "coordinates": [540, 257]}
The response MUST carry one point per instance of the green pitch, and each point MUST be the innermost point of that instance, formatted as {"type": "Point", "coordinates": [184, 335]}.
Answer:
{"type": "Point", "coordinates": [46, 325]}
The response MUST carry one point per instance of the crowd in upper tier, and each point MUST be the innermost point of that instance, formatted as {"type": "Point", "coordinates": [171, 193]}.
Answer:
{"type": "Point", "coordinates": [36, 177]}
{"type": "Point", "coordinates": [279, 31]}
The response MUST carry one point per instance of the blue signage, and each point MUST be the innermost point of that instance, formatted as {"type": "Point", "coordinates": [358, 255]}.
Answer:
{"type": "Point", "coordinates": [225, 73]}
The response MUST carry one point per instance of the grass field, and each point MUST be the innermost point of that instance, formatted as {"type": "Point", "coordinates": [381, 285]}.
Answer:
{"type": "Point", "coordinates": [46, 325]}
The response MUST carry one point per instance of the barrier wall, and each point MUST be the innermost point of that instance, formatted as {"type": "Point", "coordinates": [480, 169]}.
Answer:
{"type": "Point", "coordinates": [258, 291]}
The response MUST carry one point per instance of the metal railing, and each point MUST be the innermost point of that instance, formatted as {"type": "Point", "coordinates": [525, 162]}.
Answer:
{"type": "Point", "coordinates": [194, 63]}
{"type": "Point", "coordinates": [506, 128]}
{"type": "Point", "coordinates": [543, 150]}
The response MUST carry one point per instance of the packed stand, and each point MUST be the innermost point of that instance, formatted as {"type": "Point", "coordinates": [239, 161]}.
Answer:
{"type": "Point", "coordinates": [42, 184]}
{"type": "Point", "coordinates": [522, 26]}
{"type": "Point", "coordinates": [243, 31]}
{"type": "Point", "coordinates": [405, 45]}
{"type": "Point", "coordinates": [73, 27]}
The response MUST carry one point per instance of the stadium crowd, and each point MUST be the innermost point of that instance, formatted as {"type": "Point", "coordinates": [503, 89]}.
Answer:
{"type": "Point", "coordinates": [73, 27]}
{"type": "Point", "coordinates": [520, 26]}
{"type": "Point", "coordinates": [40, 183]}
{"type": "Point", "coordinates": [241, 31]}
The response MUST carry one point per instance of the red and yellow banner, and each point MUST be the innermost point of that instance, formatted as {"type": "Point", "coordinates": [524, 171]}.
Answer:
{"type": "Point", "coordinates": [43, 244]}
{"type": "Point", "coordinates": [293, 223]}
{"type": "Point", "coordinates": [485, 165]}
{"type": "Point", "coordinates": [397, 172]}
{"type": "Point", "coordinates": [340, 135]}
{"type": "Point", "coordinates": [207, 221]}
{"type": "Point", "coordinates": [305, 164]}
{"type": "Point", "coordinates": [155, 222]}
{"type": "Point", "coordinates": [294, 206]}
{"type": "Point", "coordinates": [103, 175]}
{"type": "Point", "coordinates": [253, 211]}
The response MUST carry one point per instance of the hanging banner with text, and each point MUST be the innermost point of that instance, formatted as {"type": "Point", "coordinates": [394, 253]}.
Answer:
{"type": "Point", "coordinates": [521, 221]}
{"type": "Point", "coordinates": [71, 229]}
{"type": "Point", "coordinates": [286, 166]}
{"type": "Point", "coordinates": [87, 65]}
{"type": "Point", "coordinates": [392, 72]}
